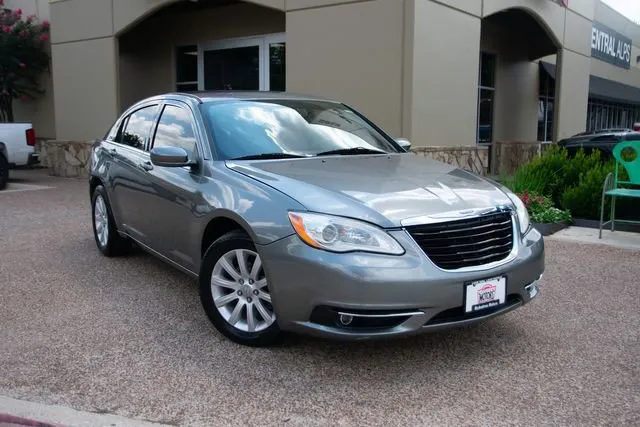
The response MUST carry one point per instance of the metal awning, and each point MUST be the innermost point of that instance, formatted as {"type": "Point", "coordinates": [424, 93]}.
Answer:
{"type": "Point", "coordinates": [604, 89]}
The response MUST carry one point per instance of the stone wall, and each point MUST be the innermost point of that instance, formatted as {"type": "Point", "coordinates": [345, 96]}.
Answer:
{"type": "Point", "coordinates": [66, 158]}
{"type": "Point", "coordinates": [471, 158]}
{"type": "Point", "coordinates": [71, 158]}
{"type": "Point", "coordinates": [507, 156]}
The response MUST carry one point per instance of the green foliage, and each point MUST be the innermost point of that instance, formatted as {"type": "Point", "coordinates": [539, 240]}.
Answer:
{"type": "Point", "coordinates": [571, 184]}
{"type": "Point", "coordinates": [586, 196]}
{"type": "Point", "coordinates": [23, 58]}
{"type": "Point", "coordinates": [541, 209]}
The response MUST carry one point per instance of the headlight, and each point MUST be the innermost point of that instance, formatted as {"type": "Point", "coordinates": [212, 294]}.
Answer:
{"type": "Point", "coordinates": [521, 210]}
{"type": "Point", "coordinates": [339, 234]}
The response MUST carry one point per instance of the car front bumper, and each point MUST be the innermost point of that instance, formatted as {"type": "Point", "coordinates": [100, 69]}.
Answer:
{"type": "Point", "coordinates": [385, 295]}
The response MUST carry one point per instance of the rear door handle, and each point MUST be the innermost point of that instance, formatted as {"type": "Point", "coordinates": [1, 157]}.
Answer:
{"type": "Point", "coordinates": [146, 165]}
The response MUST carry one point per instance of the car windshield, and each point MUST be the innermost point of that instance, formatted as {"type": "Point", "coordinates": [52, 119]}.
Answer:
{"type": "Point", "coordinates": [291, 128]}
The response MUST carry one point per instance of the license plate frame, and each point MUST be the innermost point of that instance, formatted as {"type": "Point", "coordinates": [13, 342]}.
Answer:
{"type": "Point", "coordinates": [475, 290]}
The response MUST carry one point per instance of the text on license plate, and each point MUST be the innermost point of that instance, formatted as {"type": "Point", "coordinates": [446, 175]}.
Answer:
{"type": "Point", "coordinates": [483, 294]}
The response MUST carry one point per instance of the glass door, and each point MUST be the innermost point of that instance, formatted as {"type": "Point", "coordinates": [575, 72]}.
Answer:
{"type": "Point", "coordinates": [254, 63]}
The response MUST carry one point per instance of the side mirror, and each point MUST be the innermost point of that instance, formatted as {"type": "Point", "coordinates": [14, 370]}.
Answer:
{"type": "Point", "coordinates": [170, 157]}
{"type": "Point", "coordinates": [404, 143]}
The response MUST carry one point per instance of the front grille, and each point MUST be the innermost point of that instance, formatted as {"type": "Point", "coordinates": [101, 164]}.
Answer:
{"type": "Point", "coordinates": [467, 242]}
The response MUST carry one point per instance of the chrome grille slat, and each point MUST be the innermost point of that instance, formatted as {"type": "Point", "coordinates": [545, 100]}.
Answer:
{"type": "Point", "coordinates": [462, 230]}
{"type": "Point", "coordinates": [462, 245]}
{"type": "Point", "coordinates": [469, 242]}
{"type": "Point", "coordinates": [460, 253]}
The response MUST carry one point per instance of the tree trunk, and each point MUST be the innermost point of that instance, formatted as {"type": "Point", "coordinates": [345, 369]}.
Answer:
{"type": "Point", "coordinates": [6, 108]}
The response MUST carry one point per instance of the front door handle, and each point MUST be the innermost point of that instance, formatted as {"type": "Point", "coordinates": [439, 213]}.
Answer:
{"type": "Point", "coordinates": [112, 151]}
{"type": "Point", "coordinates": [146, 165]}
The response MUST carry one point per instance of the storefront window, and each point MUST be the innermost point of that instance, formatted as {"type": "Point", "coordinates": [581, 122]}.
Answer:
{"type": "Point", "coordinates": [187, 68]}
{"type": "Point", "coordinates": [245, 63]}
{"type": "Point", "coordinates": [277, 67]}
{"type": "Point", "coordinates": [610, 115]}
{"type": "Point", "coordinates": [486, 95]}
{"type": "Point", "coordinates": [545, 107]}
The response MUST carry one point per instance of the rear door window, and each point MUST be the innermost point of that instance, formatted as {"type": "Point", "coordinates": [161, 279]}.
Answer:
{"type": "Point", "coordinates": [137, 126]}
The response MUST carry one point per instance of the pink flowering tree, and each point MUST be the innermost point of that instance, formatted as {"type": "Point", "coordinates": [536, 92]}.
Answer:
{"type": "Point", "coordinates": [24, 56]}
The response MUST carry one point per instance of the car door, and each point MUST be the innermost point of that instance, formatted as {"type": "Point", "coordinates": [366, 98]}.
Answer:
{"type": "Point", "coordinates": [131, 184]}
{"type": "Point", "coordinates": [172, 210]}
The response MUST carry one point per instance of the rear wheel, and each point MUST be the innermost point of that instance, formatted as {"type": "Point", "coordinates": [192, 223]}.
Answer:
{"type": "Point", "coordinates": [105, 232]}
{"type": "Point", "coordinates": [234, 291]}
{"type": "Point", "coordinates": [4, 171]}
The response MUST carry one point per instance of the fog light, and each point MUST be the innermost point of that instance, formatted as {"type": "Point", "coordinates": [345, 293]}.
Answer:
{"type": "Point", "coordinates": [346, 319]}
{"type": "Point", "coordinates": [532, 290]}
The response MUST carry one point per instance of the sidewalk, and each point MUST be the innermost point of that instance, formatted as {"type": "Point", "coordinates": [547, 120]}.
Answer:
{"type": "Point", "coordinates": [19, 413]}
{"type": "Point", "coordinates": [620, 239]}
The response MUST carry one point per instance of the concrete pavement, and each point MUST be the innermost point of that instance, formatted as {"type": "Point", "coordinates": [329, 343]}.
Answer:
{"type": "Point", "coordinates": [128, 337]}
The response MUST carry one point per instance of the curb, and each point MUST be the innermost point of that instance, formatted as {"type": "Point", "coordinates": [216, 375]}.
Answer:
{"type": "Point", "coordinates": [7, 420]}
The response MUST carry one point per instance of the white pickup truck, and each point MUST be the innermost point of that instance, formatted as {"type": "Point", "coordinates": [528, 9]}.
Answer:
{"type": "Point", "coordinates": [17, 148]}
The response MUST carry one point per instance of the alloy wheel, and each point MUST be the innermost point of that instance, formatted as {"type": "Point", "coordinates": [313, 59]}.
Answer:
{"type": "Point", "coordinates": [240, 291]}
{"type": "Point", "coordinates": [101, 220]}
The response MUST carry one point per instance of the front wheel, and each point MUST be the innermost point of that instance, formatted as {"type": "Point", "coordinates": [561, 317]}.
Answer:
{"type": "Point", "coordinates": [234, 292]}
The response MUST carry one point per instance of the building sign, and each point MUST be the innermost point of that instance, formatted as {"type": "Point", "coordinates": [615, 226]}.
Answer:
{"type": "Point", "coordinates": [610, 46]}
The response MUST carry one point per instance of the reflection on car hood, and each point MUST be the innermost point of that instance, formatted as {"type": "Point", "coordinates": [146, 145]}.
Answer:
{"type": "Point", "coordinates": [383, 189]}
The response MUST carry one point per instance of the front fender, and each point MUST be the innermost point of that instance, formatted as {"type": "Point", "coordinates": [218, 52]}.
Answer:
{"type": "Point", "coordinates": [260, 209]}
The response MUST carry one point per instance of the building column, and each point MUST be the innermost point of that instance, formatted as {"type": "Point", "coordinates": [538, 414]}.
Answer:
{"type": "Point", "coordinates": [572, 94]}
{"type": "Point", "coordinates": [86, 87]}
{"type": "Point", "coordinates": [443, 98]}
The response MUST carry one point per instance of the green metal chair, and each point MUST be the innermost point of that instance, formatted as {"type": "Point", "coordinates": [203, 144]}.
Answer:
{"type": "Point", "coordinates": [627, 154]}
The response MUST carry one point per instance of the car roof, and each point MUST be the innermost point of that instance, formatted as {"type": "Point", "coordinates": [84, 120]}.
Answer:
{"type": "Point", "coordinates": [221, 96]}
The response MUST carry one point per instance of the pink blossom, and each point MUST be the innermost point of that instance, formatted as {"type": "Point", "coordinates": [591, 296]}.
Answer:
{"type": "Point", "coordinates": [44, 38]}
{"type": "Point", "coordinates": [46, 24]}
{"type": "Point", "coordinates": [31, 18]}
{"type": "Point", "coordinates": [24, 33]}
{"type": "Point", "coordinates": [6, 29]}
{"type": "Point", "coordinates": [18, 12]}
{"type": "Point", "coordinates": [23, 65]}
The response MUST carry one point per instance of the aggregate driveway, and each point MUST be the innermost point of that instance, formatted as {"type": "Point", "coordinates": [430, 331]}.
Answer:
{"type": "Point", "coordinates": [128, 336]}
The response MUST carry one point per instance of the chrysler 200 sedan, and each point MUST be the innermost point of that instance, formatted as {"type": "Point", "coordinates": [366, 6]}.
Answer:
{"type": "Point", "coordinates": [299, 214]}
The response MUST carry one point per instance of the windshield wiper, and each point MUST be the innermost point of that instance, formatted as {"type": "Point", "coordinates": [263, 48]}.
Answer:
{"type": "Point", "coordinates": [269, 156]}
{"type": "Point", "coordinates": [350, 151]}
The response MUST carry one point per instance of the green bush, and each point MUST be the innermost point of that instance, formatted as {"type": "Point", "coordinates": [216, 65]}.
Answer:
{"type": "Point", "coordinates": [573, 184]}
{"type": "Point", "coordinates": [584, 199]}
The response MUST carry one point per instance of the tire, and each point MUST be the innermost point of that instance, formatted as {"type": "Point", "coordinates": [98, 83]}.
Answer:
{"type": "Point", "coordinates": [111, 244]}
{"type": "Point", "coordinates": [4, 172]}
{"type": "Point", "coordinates": [245, 315]}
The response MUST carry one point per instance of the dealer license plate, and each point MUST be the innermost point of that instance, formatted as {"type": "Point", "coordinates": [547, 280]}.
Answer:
{"type": "Point", "coordinates": [483, 294]}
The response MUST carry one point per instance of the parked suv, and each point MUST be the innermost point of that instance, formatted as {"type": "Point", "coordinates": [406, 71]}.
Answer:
{"type": "Point", "coordinates": [299, 214]}
{"type": "Point", "coordinates": [598, 140]}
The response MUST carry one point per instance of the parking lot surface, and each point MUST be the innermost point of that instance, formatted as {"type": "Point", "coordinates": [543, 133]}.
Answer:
{"type": "Point", "coordinates": [128, 336]}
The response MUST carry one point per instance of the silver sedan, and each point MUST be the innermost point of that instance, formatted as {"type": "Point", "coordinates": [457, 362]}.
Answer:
{"type": "Point", "coordinates": [299, 214]}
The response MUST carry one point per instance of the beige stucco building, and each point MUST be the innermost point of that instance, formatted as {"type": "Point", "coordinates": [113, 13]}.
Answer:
{"type": "Point", "coordinates": [440, 72]}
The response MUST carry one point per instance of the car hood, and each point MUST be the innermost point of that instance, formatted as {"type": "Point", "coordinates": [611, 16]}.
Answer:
{"type": "Point", "coordinates": [389, 190]}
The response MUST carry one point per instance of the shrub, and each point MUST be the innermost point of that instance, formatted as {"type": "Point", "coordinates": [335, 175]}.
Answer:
{"type": "Point", "coordinates": [541, 209]}
{"type": "Point", "coordinates": [572, 184]}
{"type": "Point", "coordinates": [584, 199]}
{"type": "Point", "coordinates": [543, 175]}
